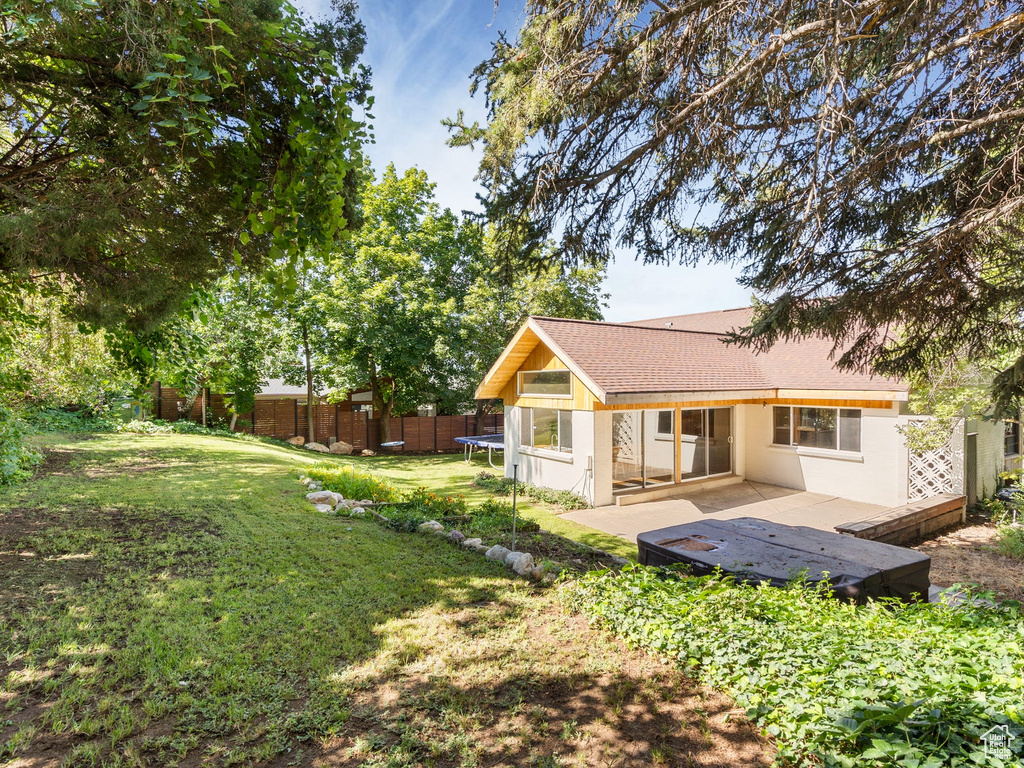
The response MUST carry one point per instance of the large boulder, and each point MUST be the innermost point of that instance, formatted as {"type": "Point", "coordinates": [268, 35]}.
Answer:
{"type": "Point", "coordinates": [297, 440]}
{"type": "Point", "coordinates": [341, 448]}
{"type": "Point", "coordinates": [318, 447]}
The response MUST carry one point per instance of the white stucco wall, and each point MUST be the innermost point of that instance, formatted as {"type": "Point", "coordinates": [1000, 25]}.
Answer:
{"type": "Point", "coordinates": [567, 472]}
{"type": "Point", "coordinates": [877, 475]}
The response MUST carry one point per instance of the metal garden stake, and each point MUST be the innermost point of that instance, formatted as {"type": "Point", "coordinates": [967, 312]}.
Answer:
{"type": "Point", "coordinates": [515, 486]}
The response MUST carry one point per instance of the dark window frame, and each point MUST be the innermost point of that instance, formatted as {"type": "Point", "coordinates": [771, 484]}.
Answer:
{"type": "Point", "coordinates": [793, 424]}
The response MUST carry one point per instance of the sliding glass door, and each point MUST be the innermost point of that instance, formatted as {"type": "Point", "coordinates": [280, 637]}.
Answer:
{"type": "Point", "coordinates": [719, 441]}
{"type": "Point", "coordinates": [644, 446]}
{"type": "Point", "coordinates": [705, 440]}
{"type": "Point", "coordinates": [627, 450]}
{"type": "Point", "coordinates": [643, 449]}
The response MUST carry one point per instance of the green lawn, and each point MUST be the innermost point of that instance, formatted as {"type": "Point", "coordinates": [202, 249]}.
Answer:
{"type": "Point", "coordinates": [172, 600]}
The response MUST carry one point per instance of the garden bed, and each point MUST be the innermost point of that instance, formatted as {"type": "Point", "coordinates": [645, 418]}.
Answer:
{"type": "Point", "coordinates": [969, 554]}
{"type": "Point", "coordinates": [486, 528]}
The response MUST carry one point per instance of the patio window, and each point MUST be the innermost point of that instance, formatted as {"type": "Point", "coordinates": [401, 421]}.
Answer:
{"type": "Point", "coordinates": [828, 428]}
{"type": "Point", "coordinates": [555, 383]}
{"type": "Point", "coordinates": [546, 428]}
{"type": "Point", "coordinates": [1011, 439]}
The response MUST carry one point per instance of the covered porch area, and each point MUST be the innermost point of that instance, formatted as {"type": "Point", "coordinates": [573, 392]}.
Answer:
{"type": "Point", "coordinates": [730, 499]}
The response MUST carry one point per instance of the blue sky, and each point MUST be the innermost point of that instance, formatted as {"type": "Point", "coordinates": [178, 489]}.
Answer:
{"type": "Point", "coordinates": [422, 53]}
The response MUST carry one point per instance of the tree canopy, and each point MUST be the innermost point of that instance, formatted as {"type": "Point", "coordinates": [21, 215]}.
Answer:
{"type": "Point", "coordinates": [861, 160]}
{"type": "Point", "coordinates": [147, 147]}
{"type": "Point", "coordinates": [394, 303]}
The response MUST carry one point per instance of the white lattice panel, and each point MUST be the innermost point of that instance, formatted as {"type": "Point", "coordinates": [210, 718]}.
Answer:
{"type": "Point", "coordinates": [938, 471]}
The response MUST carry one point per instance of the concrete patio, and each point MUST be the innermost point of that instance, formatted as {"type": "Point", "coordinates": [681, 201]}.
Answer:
{"type": "Point", "coordinates": [741, 499]}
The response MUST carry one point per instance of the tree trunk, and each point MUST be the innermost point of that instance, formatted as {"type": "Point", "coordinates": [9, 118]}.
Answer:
{"type": "Point", "coordinates": [481, 408]}
{"type": "Point", "coordinates": [190, 402]}
{"type": "Point", "coordinates": [202, 394]}
{"type": "Point", "coordinates": [388, 407]}
{"type": "Point", "coordinates": [234, 418]}
{"type": "Point", "coordinates": [309, 385]}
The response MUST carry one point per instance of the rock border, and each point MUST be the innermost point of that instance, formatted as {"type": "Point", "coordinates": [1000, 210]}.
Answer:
{"type": "Point", "coordinates": [520, 563]}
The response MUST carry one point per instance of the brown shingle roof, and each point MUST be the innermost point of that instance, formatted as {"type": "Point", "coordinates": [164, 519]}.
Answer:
{"type": "Point", "coordinates": [648, 357]}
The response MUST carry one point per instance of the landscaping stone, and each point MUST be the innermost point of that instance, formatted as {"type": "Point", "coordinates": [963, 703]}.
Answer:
{"type": "Point", "coordinates": [537, 574]}
{"type": "Point", "coordinates": [318, 447]}
{"type": "Point", "coordinates": [520, 562]}
{"type": "Point", "coordinates": [457, 536]}
{"type": "Point", "coordinates": [297, 440]}
{"type": "Point", "coordinates": [482, 548]}
{"type": "Point", "coordinates": [440, 532]}
{"type": "Point", "coordinates": [321, 497]}
{"type": "Point", "coordinates": [368, 452]}
{"type": "Point", "coordinates": [340, 447]}
{"type": "Point", "coordinates": [430, 526]}
{"type": "Point", "coordinates": [325, 508]}
{"type": "Point", "coordinates": [358, 512]}
{"type": "Point", "coordinates": [497, 552]}
{"type": "Point", "coordinates": [471, 543]}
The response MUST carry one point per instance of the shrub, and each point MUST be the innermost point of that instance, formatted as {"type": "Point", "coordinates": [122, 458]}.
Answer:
{"type": "Point", "coordinates": [351, 483]}
{"type": "Point", "coordinates": [884, 684]}
{"type": "Point", "coordinates": [57, 420]}
{"type": "Point", "coordinates": [1010, 540]}
{"type": "Point", "coordinates": [419, 506]}
{"type": "Point", "coordinates": [502, 486]}
{"type": "Point", "coordinates": [16, 458]}
{"type": "Point", "coordinates": [495, 516]}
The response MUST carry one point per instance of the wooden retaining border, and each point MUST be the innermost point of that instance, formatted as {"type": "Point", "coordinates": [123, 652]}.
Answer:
{"type": "Point", "coordinates": [911, 521]}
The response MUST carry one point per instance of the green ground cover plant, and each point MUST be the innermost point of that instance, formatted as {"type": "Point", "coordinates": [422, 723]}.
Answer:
{"type": "Point", "coordinates": [16, 458]}
{"type": "Point", "coordinates": [502, 486]}
{"type": "Point", "coordinates": [172, 600]}
{"type": "Point", "coordinates": [886, 684]}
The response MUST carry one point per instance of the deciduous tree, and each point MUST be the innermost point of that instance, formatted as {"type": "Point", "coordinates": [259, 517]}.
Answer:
{"type": "Point", "coordinates": [395, 296]}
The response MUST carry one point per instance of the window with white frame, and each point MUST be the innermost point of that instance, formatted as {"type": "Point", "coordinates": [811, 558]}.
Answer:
{"type": "Point", "coordinates": [551, 383]}
{"type": "Point", "coordinates": [1011, 439]}
{"type": "Point", "coordinates": [546, 428]}
{"type": "Point", "coordinates": [833, 429]}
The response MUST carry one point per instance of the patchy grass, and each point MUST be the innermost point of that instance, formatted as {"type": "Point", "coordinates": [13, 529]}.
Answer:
{"type": "Point", "coordinates": [173, 600]}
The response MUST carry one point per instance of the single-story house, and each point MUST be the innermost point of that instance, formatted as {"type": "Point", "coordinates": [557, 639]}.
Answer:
{"type": "Point", "coordinates": [649, 408]}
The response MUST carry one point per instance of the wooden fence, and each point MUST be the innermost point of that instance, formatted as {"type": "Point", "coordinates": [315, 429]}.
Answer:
{"type": "Point", "coordinates": [286, 417]}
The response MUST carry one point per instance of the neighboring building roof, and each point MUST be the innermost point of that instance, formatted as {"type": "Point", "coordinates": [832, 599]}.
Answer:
{"type": "Point", "coordinates": [721, 321]}
{"type": "Point", "coordinates": [649, 356]}
{"type": "Point", "coordinates": [277, 388]}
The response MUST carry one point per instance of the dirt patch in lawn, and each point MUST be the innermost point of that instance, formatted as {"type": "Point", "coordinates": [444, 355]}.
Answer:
{"type": "Point", "coordinates": [561, 707]}
{"type": "Point", "coordinates": [40, 561]}
{"type": "Point", "coordinates": [968, 554]}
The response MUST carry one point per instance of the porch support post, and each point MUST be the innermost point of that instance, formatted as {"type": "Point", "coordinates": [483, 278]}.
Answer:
{"type": "Point", "coordinates": [678, 418]}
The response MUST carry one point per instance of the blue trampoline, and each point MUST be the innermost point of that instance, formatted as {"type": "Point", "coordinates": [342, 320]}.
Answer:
{"type": "Point", "coordinates": [490, 442]}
